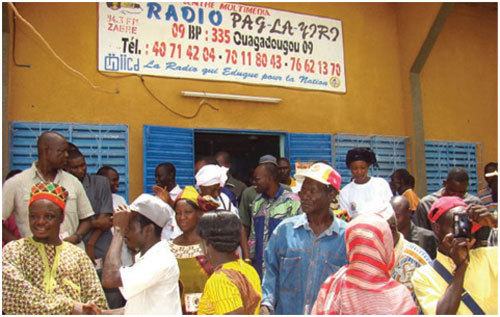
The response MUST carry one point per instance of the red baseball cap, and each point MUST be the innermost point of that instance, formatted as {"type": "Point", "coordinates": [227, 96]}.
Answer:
{"type": "Point", "coordinates": [442, 205]}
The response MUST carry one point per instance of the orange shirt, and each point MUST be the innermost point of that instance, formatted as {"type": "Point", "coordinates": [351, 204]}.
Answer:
{"type": "Point", "coordinates": [412, 198]}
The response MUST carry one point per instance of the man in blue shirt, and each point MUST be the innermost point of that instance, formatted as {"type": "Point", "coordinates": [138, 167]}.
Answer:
{"type": "Point", "coordinates": [305, 249]}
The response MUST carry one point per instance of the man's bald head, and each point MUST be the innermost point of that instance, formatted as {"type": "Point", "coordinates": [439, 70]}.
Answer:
{"type": "Point", "coordinates": [400, 203]}
{"type": "Point", "coordinates": [401, 207]}
{"type": "Point", "coordinates": [52, 149]}
{"type": "Point", "coordinates": [47, 138]}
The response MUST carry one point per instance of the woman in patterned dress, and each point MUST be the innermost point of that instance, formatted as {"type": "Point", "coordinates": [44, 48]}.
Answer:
{"type": "Point", "coordinates": [193, 264]}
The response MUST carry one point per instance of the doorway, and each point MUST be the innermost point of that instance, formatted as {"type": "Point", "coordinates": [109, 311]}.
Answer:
{"type": "Point", "coordinates": [245, 148]}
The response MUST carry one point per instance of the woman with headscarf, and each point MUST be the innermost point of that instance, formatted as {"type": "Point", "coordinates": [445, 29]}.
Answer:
{"type": "Point", "coordinates": [364, 286]}
{"type": "Point", "coordinates": [363, 190]}
{"type": "Point", "coordinates": [234, 287]}
{"type": "Point", "coordinates": [193, 265]}
{"type": "Point", "coordinates": [210, 179]}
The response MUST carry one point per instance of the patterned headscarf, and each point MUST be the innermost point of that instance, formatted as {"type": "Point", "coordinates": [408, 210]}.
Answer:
{"type": "Point", "coordinates": [364, 286]}
{"type": "Point", "coordinates": [50, 191]}
{"type": "Point", "coordinates": [205, 203]}
{"type": "Point", "coordinates": [189, 193]}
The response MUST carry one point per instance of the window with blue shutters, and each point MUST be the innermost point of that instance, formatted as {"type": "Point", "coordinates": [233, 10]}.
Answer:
{"type": "Point", "coordinates": [390, 152]}
{"type": "Point", "coordinates": [308, 147]}
{"type": "Point", "coordinates": [100, 144]}
{"type": "Point", "coordinates": [176, 145]}
{"type": "Point", "coordinates": [440, 156]}
{"type": "Point", "coordinates": [167, 144]}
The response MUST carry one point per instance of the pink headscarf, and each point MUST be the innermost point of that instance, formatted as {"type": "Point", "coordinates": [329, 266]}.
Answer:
{"type": "Point", "coordinates": [364, 286]}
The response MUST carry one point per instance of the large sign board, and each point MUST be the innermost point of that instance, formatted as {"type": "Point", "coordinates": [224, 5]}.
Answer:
{"type": "Point", "coordinates": [222, 41]}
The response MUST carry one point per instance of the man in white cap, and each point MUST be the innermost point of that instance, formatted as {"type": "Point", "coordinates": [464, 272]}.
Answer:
{"type": "Point", "coordinates": [489, 198]}
{"type": "Point", "coordinates": [150, 286]}
{"type": "Point", "coordinates": [305, 249]}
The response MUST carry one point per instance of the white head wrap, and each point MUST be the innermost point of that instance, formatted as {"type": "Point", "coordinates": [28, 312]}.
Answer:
{"type": "Point", "coordinates": [383, 209]}
{"type": "Point", "coordinates": [211, 174]}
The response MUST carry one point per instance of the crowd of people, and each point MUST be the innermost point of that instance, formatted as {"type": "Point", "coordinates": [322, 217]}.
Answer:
{"type": "Point", "coordinates": [283, 245]}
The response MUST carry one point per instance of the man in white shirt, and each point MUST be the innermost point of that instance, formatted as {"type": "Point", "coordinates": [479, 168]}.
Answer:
{"type": "Point", "coordinates": [150, 286]}
{"type": "Point", "coordinates": [52, 157]}
{"type": "Point", "coordinates": [165, 181]}
{"type": "Point", "coordinates": [114, 181]}
{"type": "Point", "coordinates": [167, 189]}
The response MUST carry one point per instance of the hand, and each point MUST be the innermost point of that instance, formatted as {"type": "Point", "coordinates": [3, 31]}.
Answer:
{"type": "Point", "coordinates": [163, 194]}
{"type": "Point", "coordinates": [121, 219]}
{"type": "Point", "coordinates": [458, 248]}
{"type": "Point", "coordinates": [481, 215]}
{"type": "Point", "coordinates": [73, 239]}
{"type": "Point", "coordinates": [77, 309]}
{"type": "Point", "coordinates": [264, 310]}
{"type": "Point", "coordinates": [90, 309]}
{"type": "Point", "coordinates": [103, 222]}
{"type": "Point", "coordinates": [85, 309]}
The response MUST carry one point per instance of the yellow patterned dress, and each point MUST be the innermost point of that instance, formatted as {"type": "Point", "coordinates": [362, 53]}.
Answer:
{"type": "Point", "coordinates": [42, 279]}
{"type": "Point", "coordinates": [194, 272]}
{"type": "Point", "coordinates": [234, 285]}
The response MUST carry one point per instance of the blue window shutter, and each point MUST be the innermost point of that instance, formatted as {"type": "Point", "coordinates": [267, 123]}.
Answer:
{"type": "Point", "coordinates": [167, 144]}
{"type": "Point", "coordinates": [101, 145]}
{"type": "Point", "coordinates": [390, 153]}
{"type": "Point", "coordinates": [104, 145]}
{"type": "Point", "coordinates": [440, 156]}
{"type": "Point", "coordinates": [308, 147]}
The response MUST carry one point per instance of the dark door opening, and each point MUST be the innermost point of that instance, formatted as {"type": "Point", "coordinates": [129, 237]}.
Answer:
{"type": "Point", "coordinates": [245, 149]}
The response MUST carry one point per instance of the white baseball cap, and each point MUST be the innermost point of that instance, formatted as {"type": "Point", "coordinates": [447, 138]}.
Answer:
{"type": "Point", "coordinates": [152, 208]}
{"type": "Point", "coordinates": [322, 173]}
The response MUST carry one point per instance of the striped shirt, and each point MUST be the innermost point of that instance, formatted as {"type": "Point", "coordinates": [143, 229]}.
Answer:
{"type": "Point", "coordinates": [487, 199]}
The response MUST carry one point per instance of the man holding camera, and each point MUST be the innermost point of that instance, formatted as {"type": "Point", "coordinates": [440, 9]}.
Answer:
{"type": "Point", "coordinates": [461, 280]}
